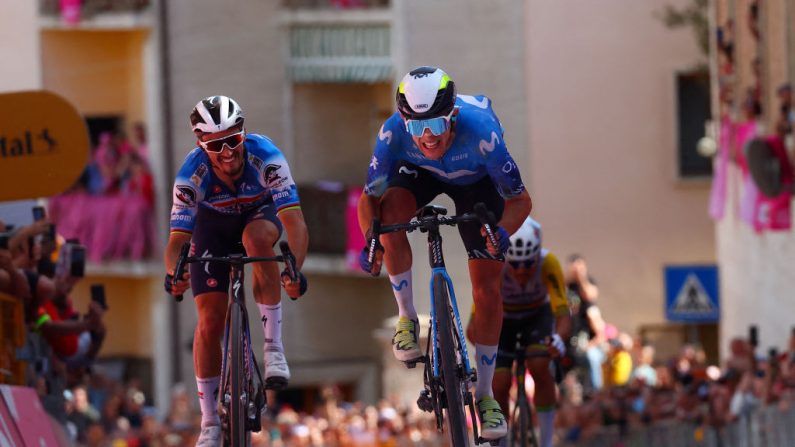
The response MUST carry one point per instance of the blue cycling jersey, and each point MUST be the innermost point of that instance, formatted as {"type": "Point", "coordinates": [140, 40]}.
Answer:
{"type": "Point", "coordinates": [478, 149]}
{"type": "Point", "coordinates": [266, 177]}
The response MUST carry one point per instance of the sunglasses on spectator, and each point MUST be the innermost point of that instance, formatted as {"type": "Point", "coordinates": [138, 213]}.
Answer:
{"type": "Point", "coordinates": [437, 126]}
{"type": "Point", "coordinates": [522, 264]}
{"type": "Point", "coordinates": [217, 146]}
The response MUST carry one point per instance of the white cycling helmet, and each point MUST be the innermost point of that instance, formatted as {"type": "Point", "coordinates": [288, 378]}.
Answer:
{"type": "Point", "coordinates": [216, 114]}
{"type": "Point", "coordinates": [425, 92]}
{"type": "Point", "coordinates": [525, 243]}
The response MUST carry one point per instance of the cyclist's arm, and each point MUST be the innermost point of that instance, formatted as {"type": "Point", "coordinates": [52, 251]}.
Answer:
{"type": "Point", "coordinates": [516, 210]}
{"type": "Point", "coordinates": [552, 275]}
{"type": "Point", "coordinates": [378, 172]}
{"type": "Point", "coordinates": [175, 242]}
{"type": "Point", "coordinates": [297, 235]}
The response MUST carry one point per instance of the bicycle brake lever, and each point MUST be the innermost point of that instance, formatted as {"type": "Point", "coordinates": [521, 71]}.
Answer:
{"type": "Point", "coordinates": [179, 269]}
{"type": "Point", "coordinates": [486, 218]}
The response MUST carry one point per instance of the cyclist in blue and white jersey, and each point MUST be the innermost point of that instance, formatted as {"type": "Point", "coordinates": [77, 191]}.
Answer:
{"type": "Point", "coordinates": [234, 186]}
{"type": "Point", "coordinates": [439, 142]}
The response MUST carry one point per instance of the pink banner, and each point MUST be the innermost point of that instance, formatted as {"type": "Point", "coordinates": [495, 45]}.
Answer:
{"type": "Point", "coordinates": [33, 425]}
{"type": "Point", "coordinates": [70, 11]}
{"type": "Point", "coordinates": [355, 240]}
{"type": "Point", "coordinates": [774, 212]}
{"type": "Point", "coordinates": [717, 198]}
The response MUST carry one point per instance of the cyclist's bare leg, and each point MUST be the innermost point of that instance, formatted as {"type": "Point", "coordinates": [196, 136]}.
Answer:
{"type": "Point", "coordinates": [397, 206]}
{"type": "Point", "coordinates": [502, 387]}
{"type": "Point", "coordinates": [545, 398]}
{"type": "Point", "coordinates": [211, 307]}
{"type": "Point", "coordinates": [486, 276]}
{"type": "Point", "coordinates": [258, 238]}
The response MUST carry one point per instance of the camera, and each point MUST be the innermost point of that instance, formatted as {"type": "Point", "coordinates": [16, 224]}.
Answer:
{"type": "Point", "coordinates": [38, 213]}
{"type": "Point", "coordinates": [753, 336]}
{"type": "Point", "coordinates": [74, 258]}
{"type": "Point", "coordinates": [98, 295]}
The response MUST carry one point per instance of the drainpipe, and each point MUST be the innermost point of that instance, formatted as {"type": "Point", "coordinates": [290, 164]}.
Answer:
{"type": "Point", "coordinates": [168, 139]}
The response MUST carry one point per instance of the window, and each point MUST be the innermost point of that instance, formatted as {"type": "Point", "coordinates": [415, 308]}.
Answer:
{"type": "Point", "coordinates": [693, 111]}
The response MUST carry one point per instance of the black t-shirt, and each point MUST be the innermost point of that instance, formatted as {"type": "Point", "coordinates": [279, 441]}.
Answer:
{"type": "Point", "coordinates": [579, 319]}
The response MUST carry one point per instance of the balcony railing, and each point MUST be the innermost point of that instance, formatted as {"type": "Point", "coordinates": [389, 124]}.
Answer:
{"type": "Point", "coordinates": [335, 4]}
{"type": "Point", "coordinates": [90, 8]}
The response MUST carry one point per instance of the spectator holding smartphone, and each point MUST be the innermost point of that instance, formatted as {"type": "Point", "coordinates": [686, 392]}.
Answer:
{"type": "Point", "coordinates": [74, 340]}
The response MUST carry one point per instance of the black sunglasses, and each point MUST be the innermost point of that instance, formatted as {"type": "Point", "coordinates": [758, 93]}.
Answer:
{"type": "Point", "coordinates": [217, 146]}
{"type": "Point", "coordinates": [522, 264]}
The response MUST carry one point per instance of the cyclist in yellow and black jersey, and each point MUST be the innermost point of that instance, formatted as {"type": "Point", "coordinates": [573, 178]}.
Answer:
{"type": "Point", "coordinates": [535, 304]}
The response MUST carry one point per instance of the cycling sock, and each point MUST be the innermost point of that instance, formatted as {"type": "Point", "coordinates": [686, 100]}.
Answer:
{"type": "Point", "coordinates": [272, 325]}
{"type": "Point", "coordinates": [401, 286]}
{"type": "Point", "coordinates": [546, 424]}
{"type": "Point", "coordinates": [208, 390]}
{"type": "Point", "coordinates": [486, 358]}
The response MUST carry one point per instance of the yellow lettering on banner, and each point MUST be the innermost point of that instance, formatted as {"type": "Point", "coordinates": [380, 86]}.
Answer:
{"type": "Point", "coordinates": [43, 145]}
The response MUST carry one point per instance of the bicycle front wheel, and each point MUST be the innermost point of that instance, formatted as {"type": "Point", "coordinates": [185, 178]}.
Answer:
{"type": "Point", "coordinates": [454, 384]}
{"type": "Point", "coordinates": [237, 380]}
{"type": "Point", "coordinates": [522, 430]}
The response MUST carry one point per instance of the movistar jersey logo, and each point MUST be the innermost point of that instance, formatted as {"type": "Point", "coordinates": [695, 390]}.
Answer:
{"type": "Point", "coordinates": [405, 170]}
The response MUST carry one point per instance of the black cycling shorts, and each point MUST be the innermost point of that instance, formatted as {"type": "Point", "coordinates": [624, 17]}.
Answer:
{"type": "Point", "coordinates": [425, 187]}
{"type": "Point", "coordinates": [534, 328]}
{"type": "Point", "coordinates": [218, 234]}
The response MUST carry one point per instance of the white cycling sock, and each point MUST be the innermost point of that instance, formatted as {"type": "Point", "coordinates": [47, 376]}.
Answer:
{"type": "Point", "coordinates": [272, 325]}
{"type": "Point", "coordinates": [208, 389]}
{"type": "Point", "coordinates": [485, 360]}
{"type": "Point", "coordinates": [546, 424]}
{"type": "Point", "coordinates": [401, 286]}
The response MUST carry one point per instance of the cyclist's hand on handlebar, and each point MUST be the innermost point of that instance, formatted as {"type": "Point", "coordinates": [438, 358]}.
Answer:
{"type": "Point", "coordinates": [176, 288]}
{"type": "Point", "coordinates": [557, 347]}
{"type": "Point", "coordinates": [503, 240]}
{"type": "Point", "coordinates": [374, 268]}
{"type": "Point", "coordinates": [294, 289]}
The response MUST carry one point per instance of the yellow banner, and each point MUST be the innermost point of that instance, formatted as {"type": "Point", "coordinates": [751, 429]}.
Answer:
{"type": "Point", "coordinates": [43, 145]}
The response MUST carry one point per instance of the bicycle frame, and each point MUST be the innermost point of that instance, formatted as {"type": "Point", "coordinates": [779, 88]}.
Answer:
{"type": "Point", "coordinates": [237, 384]}
{"type": "Point", "coordinates": [442, 375]}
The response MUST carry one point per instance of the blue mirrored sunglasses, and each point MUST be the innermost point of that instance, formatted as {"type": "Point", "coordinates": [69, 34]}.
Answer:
{"type": "Point", "coordinates": [437, 126]}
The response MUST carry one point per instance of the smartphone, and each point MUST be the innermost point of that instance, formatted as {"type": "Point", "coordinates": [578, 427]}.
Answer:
{"type": "Point", "coordinates": [38, 213]}
{"type": "Point", "coordinates": [51, 234]}
{"type": "Point", "coordinates": [4, 241]}
{"type": "Point", "coordinates": [98, 295]}
{"type": "Point", "coordinates": [753, 335]}
{"type": "Point", "coordinates": [77, 261]}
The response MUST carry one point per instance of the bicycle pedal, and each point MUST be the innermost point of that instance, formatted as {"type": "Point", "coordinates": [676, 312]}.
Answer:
{"type": "Point", "coordinates": [411, 364]}
{"type": "Point", "coordinates": [275, 383]}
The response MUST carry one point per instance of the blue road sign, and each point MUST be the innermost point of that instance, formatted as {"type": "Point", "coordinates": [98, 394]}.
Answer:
{"type": "Point", "coordinates": [691, 293]}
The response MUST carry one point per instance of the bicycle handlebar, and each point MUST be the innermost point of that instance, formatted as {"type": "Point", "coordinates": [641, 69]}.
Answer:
{"type": "Point", "coordinates": [287, 257]}
{"type": "Point", "coordinates": [481, 214]}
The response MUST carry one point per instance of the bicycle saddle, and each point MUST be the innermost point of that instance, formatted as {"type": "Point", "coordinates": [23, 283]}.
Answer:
{"type": "Point", "coordinates": [431, 210]}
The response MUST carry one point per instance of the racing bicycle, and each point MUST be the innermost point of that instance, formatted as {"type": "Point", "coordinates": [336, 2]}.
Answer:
{"type": "Point", "coordinates": [241, 395]}
{"type": "Point", "coordinates": [447, 373]}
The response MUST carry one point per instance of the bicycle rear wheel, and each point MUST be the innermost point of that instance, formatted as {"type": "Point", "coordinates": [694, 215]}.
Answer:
{"type": "Point", "coordinates": [454, 384]}
{"type": "Point", "coordinates": [236, 434]}
{"type": "Point", "coordinates": [522, 430]}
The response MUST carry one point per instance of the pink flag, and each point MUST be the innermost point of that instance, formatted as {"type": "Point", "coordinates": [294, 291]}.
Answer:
{"type": "Point", "coordinates": [70, 11]}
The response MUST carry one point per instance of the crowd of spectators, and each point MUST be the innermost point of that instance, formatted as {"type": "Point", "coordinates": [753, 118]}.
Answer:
{"type": "Point", "coordinates": [111, 207]}
{"type": "Point", "coordinates": [38, 271]}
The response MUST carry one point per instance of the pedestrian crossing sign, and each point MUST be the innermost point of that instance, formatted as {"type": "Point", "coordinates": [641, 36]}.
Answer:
{"type": "Point", "coordinates": [691, 293]}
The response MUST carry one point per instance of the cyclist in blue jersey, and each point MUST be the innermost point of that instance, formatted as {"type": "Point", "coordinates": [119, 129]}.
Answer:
{"type": "Point", "coordinates": [439, 142]}
{"type": "Point", "coordinates": [234, 186]}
